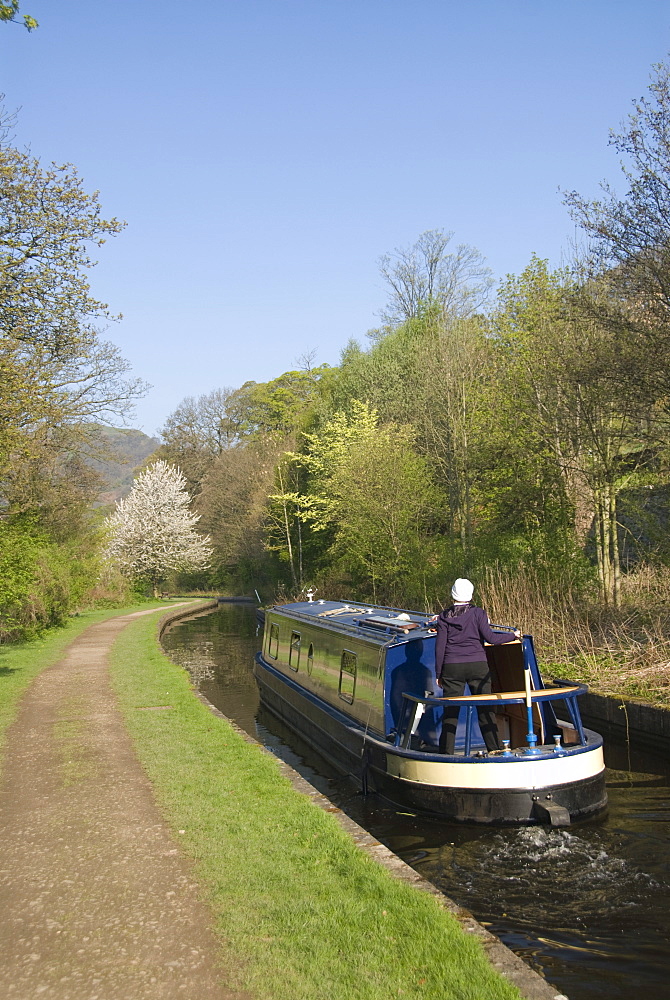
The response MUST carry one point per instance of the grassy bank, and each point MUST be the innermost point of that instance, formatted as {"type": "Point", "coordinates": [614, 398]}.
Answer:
{"type": "Point", "coordinates": [302, 912]}
{"type": "Point", "coordinates": [21, 662]}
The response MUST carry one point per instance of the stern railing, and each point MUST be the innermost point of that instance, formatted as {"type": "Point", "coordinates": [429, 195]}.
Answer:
{"type": "Point", "coordinates": [411, 704]}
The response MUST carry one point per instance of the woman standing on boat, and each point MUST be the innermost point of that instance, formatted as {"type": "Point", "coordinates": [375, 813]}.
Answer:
{"type": "Point", "coordinates": [462, 630]}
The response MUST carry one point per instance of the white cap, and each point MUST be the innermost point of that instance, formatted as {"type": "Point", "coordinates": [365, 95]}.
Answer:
{"type": "Point", "coordinates": [462, 591]}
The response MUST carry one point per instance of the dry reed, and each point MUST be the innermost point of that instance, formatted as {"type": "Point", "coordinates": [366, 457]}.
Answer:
{"type": "Point", "coordinates": [622, 651]}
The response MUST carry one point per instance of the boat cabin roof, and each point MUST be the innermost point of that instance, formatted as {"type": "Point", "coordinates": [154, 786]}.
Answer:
{"type": "Point", "coordinates": [375, 623]}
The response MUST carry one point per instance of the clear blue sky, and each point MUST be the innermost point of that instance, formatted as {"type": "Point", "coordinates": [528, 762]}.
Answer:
{"type": "Point", "coordinates": [265, 153]}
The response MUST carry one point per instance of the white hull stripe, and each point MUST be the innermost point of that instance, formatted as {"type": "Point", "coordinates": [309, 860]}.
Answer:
{"type": "Point", "coordinates": [521, 774]}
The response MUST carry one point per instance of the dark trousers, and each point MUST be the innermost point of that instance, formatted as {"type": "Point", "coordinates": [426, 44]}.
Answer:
{"type": "Point", "coordinates": [453, 679]}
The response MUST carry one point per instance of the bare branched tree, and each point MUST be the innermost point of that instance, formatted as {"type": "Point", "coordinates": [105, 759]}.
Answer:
{"type": "Point", "coordinates": [198, 432]}
{"type": "Point", "coordinates": [630, 237]}
{"type": "Point", "coordinates": [425, 275]}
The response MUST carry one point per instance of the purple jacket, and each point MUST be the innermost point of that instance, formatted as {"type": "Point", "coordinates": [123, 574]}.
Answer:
{"type": "Point", "coordinates": [461, 634]}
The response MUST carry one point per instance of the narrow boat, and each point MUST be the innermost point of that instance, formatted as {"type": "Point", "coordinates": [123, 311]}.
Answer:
{"type": "Point", "coordinates": [358, 684]}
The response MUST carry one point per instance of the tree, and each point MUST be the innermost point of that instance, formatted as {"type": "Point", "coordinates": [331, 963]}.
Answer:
{"type": "Point", "coordinates": [57, 376]}
{"type": "Point", "coordinates": [286, 511]}
{"type": "Point", "coordinates": [198, 432]}
{"type": "Point", "coordinates": [425, 274]}
{"type": "Point", "coordinates": [386, 503]}
{"type": "Point", "coordinates": [449, 419]}
{"type": "Point", "coordinates": [630, 239]}
{"type": "Point", "coordinates": [556, 362]}
{"type": "Point", "coordinates": [56, 371]}
{"type": "Point", "coordinates": [201, 430]}
{"type": "Point", "coordinates": [368, 493]}
{"type": "Point", "coordinates": [47, 225]}
{"type": "Point", "coordinates": [431, 372]}
{"type": "Point", "coordinates": [233, 505]}
{"type": "Point", "coordinates": [152, 532]}
{"type": "Point", "coordinates": [280, 407]}
{"type": "Point", "coordinates": [9, 12]}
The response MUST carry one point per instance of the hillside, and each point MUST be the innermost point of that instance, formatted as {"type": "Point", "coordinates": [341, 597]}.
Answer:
{"type": "Point", "coordinates": [123, 451]}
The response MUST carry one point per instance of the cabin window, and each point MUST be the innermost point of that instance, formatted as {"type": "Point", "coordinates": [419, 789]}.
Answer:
{"type": "Point", "coordinates": [294, 651]}
{"type": "Point", "coordinates": [310, 659]}
{"type": "Point", "coordinates": [347, 687]}
{"type": "Point", "coordinates": [273, 640]}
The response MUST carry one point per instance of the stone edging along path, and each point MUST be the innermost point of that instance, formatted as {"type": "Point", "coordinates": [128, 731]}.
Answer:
{"type": "Point", "coordinates": [530, 984]}
{"type": "Point", "coordinates": [97, 902]}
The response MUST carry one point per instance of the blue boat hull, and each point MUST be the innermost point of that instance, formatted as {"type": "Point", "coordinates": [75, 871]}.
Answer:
{"type": "Point", "coordinates": [481, 790]}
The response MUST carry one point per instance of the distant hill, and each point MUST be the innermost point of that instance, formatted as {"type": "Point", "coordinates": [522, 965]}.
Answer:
{"type": "Point", "coordinates": [122, 454]}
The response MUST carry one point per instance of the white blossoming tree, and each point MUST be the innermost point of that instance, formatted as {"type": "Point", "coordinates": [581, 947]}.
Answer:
{"type": "Point", "coordinates": [152, 532]}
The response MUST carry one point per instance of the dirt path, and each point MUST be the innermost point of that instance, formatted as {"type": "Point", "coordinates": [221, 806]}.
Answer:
{"type": "Point", "coordinates": [96, 900]}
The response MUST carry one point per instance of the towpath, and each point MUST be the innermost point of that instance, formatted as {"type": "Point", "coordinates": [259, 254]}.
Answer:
{"type": "Point", "coordinates": [96, 900]}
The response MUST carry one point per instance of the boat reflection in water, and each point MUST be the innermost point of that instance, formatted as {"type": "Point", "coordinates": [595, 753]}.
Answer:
{"type": "Point", "coordinates": [358, 684]}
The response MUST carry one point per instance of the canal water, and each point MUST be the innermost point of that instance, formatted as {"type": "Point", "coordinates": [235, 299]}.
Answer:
{"type": "Point", "coordinates": [589, 906]}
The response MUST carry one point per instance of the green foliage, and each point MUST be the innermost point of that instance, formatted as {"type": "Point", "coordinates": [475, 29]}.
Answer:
{"type": "Point", "coordinates": [453, 445]}
{"type": "Point", "coordinates": [57, 377]}
{"type": "Point", "coordinates": [233, 503]}
{"type": "Point", "coordinates": [280, 407]}
{"type": "Point", "coordinates": [599, 435]}
{"type": "Point", "coordinates": [9, 12]}
{"type": "Point", "coordinates": [630, 241]}
{"type": "Point", "coordinates": [42, 580]}
{"type": "Point", "coordinates": [366, 493]}
{"type": "Point", "coordinates": [57, 374]}
{"type": "Point", "coordinates": [19, 551]}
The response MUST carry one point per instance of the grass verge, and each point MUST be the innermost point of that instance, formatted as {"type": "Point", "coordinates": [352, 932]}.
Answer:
{"type": "Point", "coordinates": [301, 911]}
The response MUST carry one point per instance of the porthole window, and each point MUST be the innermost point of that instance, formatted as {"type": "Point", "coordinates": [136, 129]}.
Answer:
{"type": "Point", "coordinates": [347, 688]}
{"type": "Point", "coordinates": [310, 658]}
{"type": "Point", "coordinates": [294, 651]}
{"type": "Point", "coordinates": [273, 641]}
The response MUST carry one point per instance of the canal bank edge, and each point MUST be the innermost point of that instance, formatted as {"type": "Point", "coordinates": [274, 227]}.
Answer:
{"type": "Point", "coordinates": [189, 612]}
{"type": "Point", "coordinates": [530, 984]}
{"type": "Point", "coordinates": [642, 727]}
